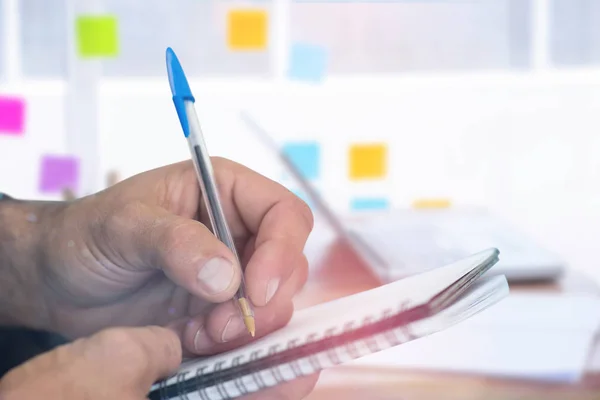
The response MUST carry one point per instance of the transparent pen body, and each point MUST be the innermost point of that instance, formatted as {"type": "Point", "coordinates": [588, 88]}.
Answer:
{"type": "Point", "coordinates": [211, 196]}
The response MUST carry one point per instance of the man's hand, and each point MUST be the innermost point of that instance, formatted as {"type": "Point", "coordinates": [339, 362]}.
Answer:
{"type": "Point", "coordinates": [117, 363]}
{"type": "Point", "coordinates": [140, 253]}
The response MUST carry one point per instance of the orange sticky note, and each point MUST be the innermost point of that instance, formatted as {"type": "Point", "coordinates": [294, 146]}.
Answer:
{"type": "Point", "coordinates": [368, 161]}
{"type": "Point", "coordinates": [247, 29]}
{"type": "Point", "coordinates": [431, 203]}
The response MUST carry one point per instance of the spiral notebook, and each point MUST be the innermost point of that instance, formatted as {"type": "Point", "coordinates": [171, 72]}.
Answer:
{"type": "Point", "coordinates": [341, 330]}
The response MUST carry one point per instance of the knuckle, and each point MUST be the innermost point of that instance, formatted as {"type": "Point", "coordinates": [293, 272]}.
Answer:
{"type": "Point", "coordinates": [169, 344]}
{"type": "Point", "coordinates": [219, 160]}
{"type": "Point", "coordinates": [302, 209]}
{"type": "Point", "coordinates": [124, 343]}
{"type": "Point", "coordinates": [120, 218]}
{"type": "Point", "coordinates": [303, 271]}
{"type": "Point", "coordinates": [176, 235]}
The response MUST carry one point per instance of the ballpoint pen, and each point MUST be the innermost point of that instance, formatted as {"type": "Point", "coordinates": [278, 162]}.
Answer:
{"type": "Point", "coordinates": [184, 104]}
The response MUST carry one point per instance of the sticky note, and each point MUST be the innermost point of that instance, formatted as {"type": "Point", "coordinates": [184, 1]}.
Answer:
{"type": "Point", "coordinates": [305, 156]}
{"type": "Point", "coordinates": [247, 29]}
{"type": "Point", "coordinates": [307, 62]}
{"type": "Point", "coordinates": [431, 203]}
{"type": "Point", "coordinates": [368, 161]}
{"type": "Point", "coordinates": [12, 116]}
{"type": "Point", "coordinates": [97, 36]}
{"type": "Point", "coordinates": [369, 203]}
{"type": "Point", "coordinates": [58, 172]}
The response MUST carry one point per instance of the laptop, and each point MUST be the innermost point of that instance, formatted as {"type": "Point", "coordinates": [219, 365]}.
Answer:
{"type": "Point", "coordinates": [399, 243]}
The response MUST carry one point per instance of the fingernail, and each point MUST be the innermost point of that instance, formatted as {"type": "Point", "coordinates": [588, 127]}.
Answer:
{"type": "Point", "coordinates": [233, 329]}
{"type": "Point", "coordinates": [271, 289]}
{"type": "Point", "coordinates": [216, 274]}
{"type": "Point", "coordinates": [197, 339]}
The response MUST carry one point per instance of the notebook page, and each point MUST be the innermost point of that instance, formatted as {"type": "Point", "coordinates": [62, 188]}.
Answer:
{"type": "Point", "coordinates": [527, 336]}
{"type": "Point", "coordinates": [410, 292]}
{"type": "Point", "coordinates": [230, 382]}
{"type": "Point", "coordinates": [334, 316]}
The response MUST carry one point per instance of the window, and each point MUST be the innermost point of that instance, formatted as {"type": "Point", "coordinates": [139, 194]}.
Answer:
{"type": "Point", "coordinates": [575, 32]}
{"type": "Point", "coordinates": [43, 38]}
{"type": "Point", "coordinates": [392, 37]}
{"type": "Point", "coordinates": [197, 31]}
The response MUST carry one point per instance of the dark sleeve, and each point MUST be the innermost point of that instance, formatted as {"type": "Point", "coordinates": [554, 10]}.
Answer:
{"type": "Point", "coordinates": [18, 345]}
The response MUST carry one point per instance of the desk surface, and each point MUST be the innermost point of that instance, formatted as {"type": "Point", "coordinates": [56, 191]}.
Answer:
{"type": "Point", "coordinates": [341, 273]}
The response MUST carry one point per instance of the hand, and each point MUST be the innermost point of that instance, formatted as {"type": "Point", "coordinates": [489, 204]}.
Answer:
{"type": "Point", "coordinates": [139, 253]}
{"type": "Point", "coordinates": [117, 363]}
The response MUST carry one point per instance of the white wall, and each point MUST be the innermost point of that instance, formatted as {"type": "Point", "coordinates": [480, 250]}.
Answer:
{"type": "Point", "coordinates": [44, 133]}
{"type": "Point", "coordinates": [525, 145]}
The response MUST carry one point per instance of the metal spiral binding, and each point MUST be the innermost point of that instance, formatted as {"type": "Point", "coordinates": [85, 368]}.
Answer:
{"type": "Point", "coordinates": [239, 381]}
{"type": "Point", "coordinates": [201, 391]}
{"type": "Point", "coordinates": [221, 386]}
{"type": "Point", "coordinates": [390, 335]}
{"type": "Point", "coordinates": [331, 352]}
{"type": "Point", "coordinates": [393, 336]}
{"type": "Point", "coordinates": [260, 383]}
{"type": "Point", "coordinates": [162, 389]}
{"type": "Point", "coordinates": [350, 346]}
{"type": "Point", "coordinates": [180, 390]}
{"type": "Point", "coordinates": [406, 329]}
{"type": "Point", "coordinates": [275, 372]}
{"type": "Point", "coordinates": [314, 360]}
{"type": "Point", "coordinates": [294, 364]}
{"type": "Point", "coordinates": [370, 341]}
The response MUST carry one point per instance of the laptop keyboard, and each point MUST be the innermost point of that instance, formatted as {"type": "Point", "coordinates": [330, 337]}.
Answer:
{"type": "Point", "coordinates": [417, 242]}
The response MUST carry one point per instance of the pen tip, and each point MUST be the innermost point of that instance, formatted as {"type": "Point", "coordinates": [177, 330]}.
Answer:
{"type": "Point", "coordinates": [248, 316]}
{"type": "Point", "coordinates": [249, 322]}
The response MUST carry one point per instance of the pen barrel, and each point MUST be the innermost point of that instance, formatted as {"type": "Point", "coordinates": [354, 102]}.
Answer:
{"type": "Point", "coordinates": [210, 193]}
{"type": "Point", "coordinates": [206, 178]}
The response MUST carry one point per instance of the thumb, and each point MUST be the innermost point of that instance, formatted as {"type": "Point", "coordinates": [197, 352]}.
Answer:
{"type": "Point", "coordinates": [114, 363]}
{"type": "Point", "coordinates": [185, 250]}
{"type": "Point", "coordinates": [140, 356]}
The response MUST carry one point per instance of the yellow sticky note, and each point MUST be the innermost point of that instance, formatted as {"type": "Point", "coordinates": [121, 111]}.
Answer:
{"type": "Point", "coordinates": [368, 161]}
{"type": "Point", "coordinates": [97, 36]}
{"type": "Point", "coordinates": [247, 29]}
{"type": "Point", "coordinates": [431, 203]}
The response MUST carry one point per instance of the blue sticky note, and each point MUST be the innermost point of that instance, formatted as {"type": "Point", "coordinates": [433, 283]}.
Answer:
{"type": "Point", "coordinates": [307, 62]}
{"type": "Point", "coordinates": [305, 156]}
{"type": "Point", "coordinates": [369, 203]}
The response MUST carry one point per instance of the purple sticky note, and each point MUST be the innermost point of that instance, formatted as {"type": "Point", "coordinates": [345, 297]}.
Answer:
{"type": "Point", "coordinates": [12, 116]}
{"type": "Point", "coordinates": [58, 173]}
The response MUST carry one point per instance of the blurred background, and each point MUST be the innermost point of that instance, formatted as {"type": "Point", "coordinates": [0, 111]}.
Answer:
{"type": "Point", "coordinates": [382, 105]}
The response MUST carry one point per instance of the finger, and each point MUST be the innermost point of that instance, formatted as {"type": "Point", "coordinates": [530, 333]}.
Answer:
{"type": "Point", "coordinates": [294, 390]}
{"type": "Point", "coordinates": [276, 217]}
{"type": "Point", "coordinates": [275, 272]}
{"type": "Point", "coordinates": [224, 324]}
{"type": "Point", "coordinates": [223, 329]}
{"type": "Point", "coordinates": [249, 197]}
{"type": "Point", "coordinates": [139, 355]}
{"type": "Point", "coordinates": [147, 238]}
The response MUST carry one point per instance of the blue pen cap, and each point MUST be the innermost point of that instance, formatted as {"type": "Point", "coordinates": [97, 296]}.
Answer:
{"type": "Point", "coordinates": [180, 88]}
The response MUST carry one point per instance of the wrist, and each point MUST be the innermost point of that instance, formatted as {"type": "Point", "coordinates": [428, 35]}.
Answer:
{"type": "Point", "coordinates": [22, 227]}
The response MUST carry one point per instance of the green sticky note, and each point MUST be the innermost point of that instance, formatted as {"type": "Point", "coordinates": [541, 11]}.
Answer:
{"type": "Point", "coordinates": [97, 36]}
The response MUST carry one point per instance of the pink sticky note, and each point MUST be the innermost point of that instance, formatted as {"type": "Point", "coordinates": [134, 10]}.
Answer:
{"type": "Point", "coordinates": [12, 116]}
{"type": "Point", "coordinates": [58, 173]}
